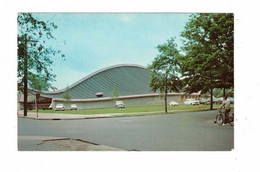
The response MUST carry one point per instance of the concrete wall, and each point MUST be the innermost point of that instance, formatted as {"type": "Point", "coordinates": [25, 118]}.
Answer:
{"type": "Point", "coordinates": [129, 102]}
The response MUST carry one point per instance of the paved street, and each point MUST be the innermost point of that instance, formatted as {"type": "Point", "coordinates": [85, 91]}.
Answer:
{"type": "Point", "coordinates": [189, 131]}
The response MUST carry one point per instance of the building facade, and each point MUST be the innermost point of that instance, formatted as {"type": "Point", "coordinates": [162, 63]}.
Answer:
{"type": "Point", "coordinates": [96, 90]}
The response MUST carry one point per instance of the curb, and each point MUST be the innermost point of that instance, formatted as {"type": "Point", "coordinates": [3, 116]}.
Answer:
{"type": "Point", "coordinates": [117, 115]}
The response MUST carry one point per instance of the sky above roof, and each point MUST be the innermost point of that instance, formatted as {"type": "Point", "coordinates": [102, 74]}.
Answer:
{"type": "Point", "coordinates": [92, 41]}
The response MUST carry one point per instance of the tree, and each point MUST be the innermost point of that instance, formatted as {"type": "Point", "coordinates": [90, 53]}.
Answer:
{"type": "Point", "coordinates": [34, 55]}
{"type": "Point", "coordinates": [208, 46]}
{"type": "Point", "coordinates": [115, 94]}
{"type": "Point", "coordinates": [218, 92]}
{"type": "Point", "coordinates": [67, 95]}
{"type": "Point", "coordinates": [165, 70]}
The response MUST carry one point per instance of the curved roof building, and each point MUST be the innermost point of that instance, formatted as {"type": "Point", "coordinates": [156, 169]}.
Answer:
{"type": "Point", "coordinates": [129, 79]}
{"type": "Point", "coordinates": [96, 90]}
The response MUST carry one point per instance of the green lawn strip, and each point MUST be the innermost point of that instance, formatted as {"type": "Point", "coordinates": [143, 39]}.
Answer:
{"type": "Point", "coordinates": [145, 109]}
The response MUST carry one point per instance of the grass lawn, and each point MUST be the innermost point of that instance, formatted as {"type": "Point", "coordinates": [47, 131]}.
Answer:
{"type": "Point", "coordinates": [128, 110]}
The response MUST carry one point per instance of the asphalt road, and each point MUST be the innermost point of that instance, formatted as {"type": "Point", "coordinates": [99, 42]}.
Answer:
{"type": "Point", "coordinates": [190, 131]}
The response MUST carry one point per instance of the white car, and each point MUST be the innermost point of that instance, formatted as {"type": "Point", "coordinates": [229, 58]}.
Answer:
{"type": "Point", "coordinates": [120, 104]}
{"type": "Point", "coordinates": [204, 101]}
{"type": "Point", "coordinates": [173, 103]}
{"type": "Point", "coordinates": [217, 100]}
{"type": "Point", "coordinates": [191, 102]}
{"type": "Point", "coordinates": [59, 107]}
{"type": "Point", "coordinates": [73, 107]}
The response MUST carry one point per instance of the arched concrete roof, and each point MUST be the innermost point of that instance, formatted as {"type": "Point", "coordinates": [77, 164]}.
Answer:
{"type": "Point", "coordinates": [130, 79]}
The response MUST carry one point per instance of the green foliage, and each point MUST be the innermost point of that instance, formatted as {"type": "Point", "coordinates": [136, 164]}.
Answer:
{"type": "Point", "coordinates": [32, 47]}
{"type": "Point", "coordinates": [67, 95]}
{"type": "Point", "coordinates": [115, 93]}
{"type": "Point", "coordinates": [209, 52]}
{"type": "Point", "coordinates": [218, 92]}
{"type": "Point", "coordinates": [165, 69]}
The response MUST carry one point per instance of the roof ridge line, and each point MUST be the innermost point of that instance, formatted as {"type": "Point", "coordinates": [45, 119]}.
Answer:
{"type": "Point", "coordinates": [93, 74]}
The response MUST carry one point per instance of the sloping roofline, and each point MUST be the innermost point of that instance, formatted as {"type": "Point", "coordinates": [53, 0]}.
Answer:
{"type": "Point", "coordinates": [91, 75]}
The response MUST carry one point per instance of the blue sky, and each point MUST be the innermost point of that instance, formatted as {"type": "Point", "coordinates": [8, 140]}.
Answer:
{"type": "Point", "coordinates": [97, 40]}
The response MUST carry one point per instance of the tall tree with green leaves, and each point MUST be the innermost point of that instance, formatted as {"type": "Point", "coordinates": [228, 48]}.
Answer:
{"type": "Point", "coordinates": [165, 70]}
{"type": "Point", "coordinates": [32, 37]}
{"type": "Point", "coordinates": [208, 62]}
{"type": "Point", "coordinates": [218, 92]}
{"type": "Point", "coordinates": [34, 55]}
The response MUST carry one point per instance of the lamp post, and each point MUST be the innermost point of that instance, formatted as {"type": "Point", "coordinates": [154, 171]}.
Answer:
{"type": "Point", "coordinates": [25, 74]}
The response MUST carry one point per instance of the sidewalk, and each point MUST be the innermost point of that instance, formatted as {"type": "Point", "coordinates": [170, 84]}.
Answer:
{"type": "Point", "coordinates": [56, 116]}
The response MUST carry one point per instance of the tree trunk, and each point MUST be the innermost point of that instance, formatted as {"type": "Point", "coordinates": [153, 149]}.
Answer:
{"type": "Point", "coordinates": [211, 99]}
{"type": "Point", "coordinates": [165, 98]}
{"type": "Point", "coordinates": [25, 78]}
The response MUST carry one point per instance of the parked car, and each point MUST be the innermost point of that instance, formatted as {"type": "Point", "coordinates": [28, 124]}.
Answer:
{"type": "Point", "coordinates": [59, 107]}
{"type": "Point", "coordinates": [173, 103]}
{"type": "Point", "coordinates": [120, 104]}
{"type": "Point", "coordinates": [73, 107]}
{"type": "Point", "coordinates": [191, 102]}
{"type": "Point", "coordinates": [217, 100]}
{"type": "Point", "coordinates": [214, 99]}
{"type": "Point", "coordinates": [204, 101]}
